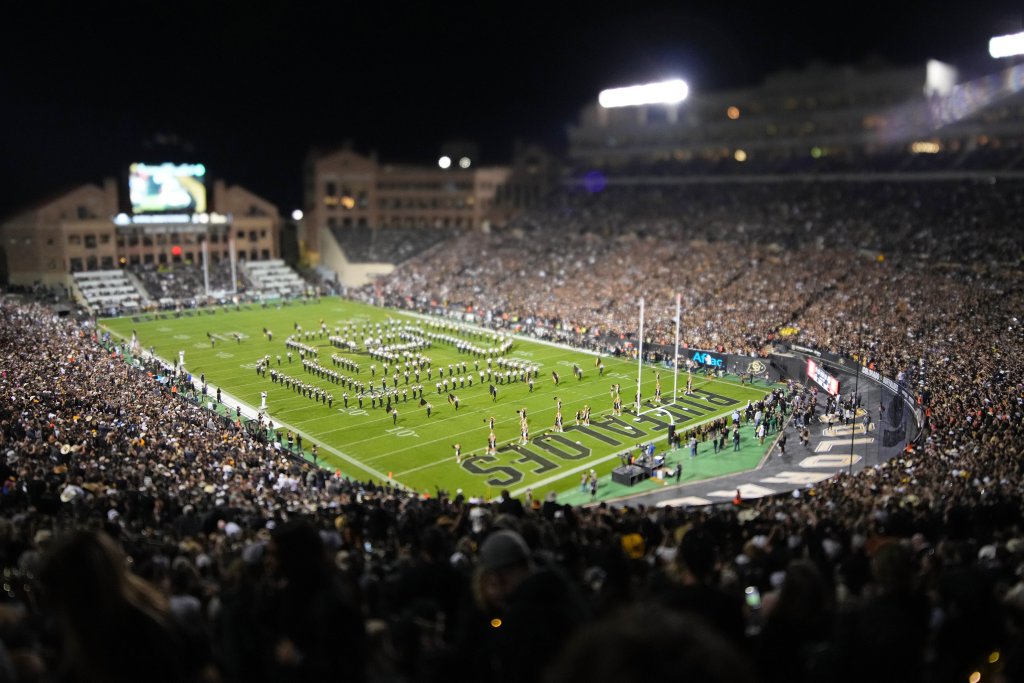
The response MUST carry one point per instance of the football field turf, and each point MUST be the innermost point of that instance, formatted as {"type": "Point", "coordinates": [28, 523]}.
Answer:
{"type": "Point", "coordinates": [417, 451]}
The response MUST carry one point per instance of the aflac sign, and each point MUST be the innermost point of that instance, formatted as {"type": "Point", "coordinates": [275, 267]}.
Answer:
{"type": "Point", "coordinates": [708, 360]}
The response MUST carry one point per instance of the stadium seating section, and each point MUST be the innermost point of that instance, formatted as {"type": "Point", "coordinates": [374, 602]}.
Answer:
{"type": "Point", "coordinates": [104, 291]}
{"type": "Point", "coordinates": [184, 284]}
{"type": "Point", "coordinates": [388, 245]}
{"type": "Point", "coordinates": [250, 565]}
{"type": "Point", "coordinates": [274, 278]}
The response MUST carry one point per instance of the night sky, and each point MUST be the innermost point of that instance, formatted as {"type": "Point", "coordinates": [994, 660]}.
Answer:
{"type": "Point", "coordinates": [251, 86]}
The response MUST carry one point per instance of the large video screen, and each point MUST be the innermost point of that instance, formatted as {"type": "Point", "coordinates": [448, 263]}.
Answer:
{"type": "Point", "coordinates": [167, 188]}
{"type": "Point", "coordinates": [822, 378]}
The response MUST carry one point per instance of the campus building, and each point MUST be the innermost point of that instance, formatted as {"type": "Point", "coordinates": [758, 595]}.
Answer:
{"type": "Point", "coordinates": [90, 228]}
{"type": "Point", "coordinates": [362, 216]}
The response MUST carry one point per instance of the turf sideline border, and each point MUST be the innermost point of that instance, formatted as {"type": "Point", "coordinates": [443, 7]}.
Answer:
{"type": "Point", "coordinates": [250, 412]}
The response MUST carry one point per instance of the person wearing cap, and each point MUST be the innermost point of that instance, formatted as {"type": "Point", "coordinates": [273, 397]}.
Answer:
{"type": "Point", "coordinates": [521, 607]}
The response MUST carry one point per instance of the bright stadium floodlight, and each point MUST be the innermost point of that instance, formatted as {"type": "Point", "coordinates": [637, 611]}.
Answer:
{"type": "Point", "coordinates": [444, 162]}
{"type": "Point", "coordinates": [297, 215]}
{"type": "Point", "coordinates": [665, 92]}
{"type": "Point", "coordinates": [1006, 46]}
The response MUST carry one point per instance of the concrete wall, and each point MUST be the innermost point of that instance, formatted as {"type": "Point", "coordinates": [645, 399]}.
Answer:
{"type": "Point", "coordinates": [349, 274]}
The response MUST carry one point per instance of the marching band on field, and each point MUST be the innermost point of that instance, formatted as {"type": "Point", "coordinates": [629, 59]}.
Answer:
{"type": "Point", "coordinates": [399, 367]}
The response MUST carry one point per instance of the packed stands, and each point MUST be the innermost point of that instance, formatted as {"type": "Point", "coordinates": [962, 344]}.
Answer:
{"type": "Point", "coordinates": [388, 245]}
{"type": "Point", "coordinates": [184, 284]}
{"type": "Point", "coordinates": [249, 565]}
{"type": "Point", "coordinates": [763, 251]}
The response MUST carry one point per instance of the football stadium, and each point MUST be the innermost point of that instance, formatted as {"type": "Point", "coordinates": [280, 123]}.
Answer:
{"type": "Point", "coordinates": [728, 389]}
{"type": "Point", "coordinates": [476, 385]}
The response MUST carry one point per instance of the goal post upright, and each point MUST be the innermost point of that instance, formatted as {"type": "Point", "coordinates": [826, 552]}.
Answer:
{"type": "Point", "coordinates": [206, 271]}
{"type": "Point", "coordinates": [671, 399]}
{"type": "Point", "coordinates": [675, 361]}
{"type": "Point", "coordinates": [640, 360]}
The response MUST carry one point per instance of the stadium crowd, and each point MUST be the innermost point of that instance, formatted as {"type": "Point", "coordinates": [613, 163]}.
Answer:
{"type": "Point", "coordinates": [184, 284]}
{"type": "Point", "coordinates": [389, 245]}
{"type": "Point", "coordinates": [747, 258]}
{"type": "Point", "coordinates": [144, 538]}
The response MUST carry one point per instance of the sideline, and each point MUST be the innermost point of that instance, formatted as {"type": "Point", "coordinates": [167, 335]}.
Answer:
{"type": "Point", "coordinates": [251, 413]}
{"type": "Point", "coordinates": [618, 454]}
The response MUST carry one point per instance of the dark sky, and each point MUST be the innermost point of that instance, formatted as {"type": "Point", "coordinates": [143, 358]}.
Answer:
{"type": "Point", "coordinates": [252, 85]}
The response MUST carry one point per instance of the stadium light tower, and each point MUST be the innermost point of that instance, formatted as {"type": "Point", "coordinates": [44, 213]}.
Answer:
{"type": "Point", "coordinates": [1006, 46]}
{"type": "Point", "coordinates": [663, 92]}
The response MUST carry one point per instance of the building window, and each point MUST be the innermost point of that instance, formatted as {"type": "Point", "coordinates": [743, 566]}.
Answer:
{"type": "Point", "coordinates": [147, 259]}
{"type": "Point", "coordinates": [147, 241]}
{"type": "Point", "coordinates": [83, 213]}
{"type": "Point", "coordinates": [263, 233]}
{"type": "Point", "coordinates": [76, 265]}
{"type": "Point", "coordinates": [133, 259]}
{"type": "Point", "coordinates": [105, 239]}
{"type": "Point", "coordinates": [75, 240]}
{"type": "Point", "coordinates": [162, 259]}
{"type": "Point", "coordinates": [90, 241]}
{"type": "Point", "coordinates": [252, 236]}
{"type": "Point", "coordinates": [265, 254]}
{"type": "Point", "coordinates": [107, 262]}
{"type": "Point", "coordinates": [331, 188]}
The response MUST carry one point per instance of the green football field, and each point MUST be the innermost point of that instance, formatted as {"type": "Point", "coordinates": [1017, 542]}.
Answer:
{"type": "Point", "coordinates": [417, 451]}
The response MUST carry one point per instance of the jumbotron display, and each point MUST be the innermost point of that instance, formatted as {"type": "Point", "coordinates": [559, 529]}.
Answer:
{"type": "Point", "coordinates": [822, 378]}
{"type": "Point", "coordinates": [167, 188]}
